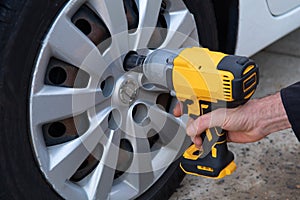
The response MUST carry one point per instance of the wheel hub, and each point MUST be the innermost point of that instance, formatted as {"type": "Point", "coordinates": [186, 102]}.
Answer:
{"type": "Point", "coordinates": [128, 91]}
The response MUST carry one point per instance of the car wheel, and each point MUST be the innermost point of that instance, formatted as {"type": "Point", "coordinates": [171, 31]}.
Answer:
{"type": "Point", "coordinates": [76, 125]}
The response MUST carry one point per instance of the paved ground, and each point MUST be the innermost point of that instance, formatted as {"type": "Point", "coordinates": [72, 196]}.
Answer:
{"type": "Point", "coordinates": [269, 169]}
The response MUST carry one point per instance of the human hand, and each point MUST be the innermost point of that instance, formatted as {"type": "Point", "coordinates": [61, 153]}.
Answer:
{"type": "Point", "coordinates": [248, 123]}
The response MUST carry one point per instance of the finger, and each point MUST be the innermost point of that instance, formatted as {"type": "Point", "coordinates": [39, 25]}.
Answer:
{"type": "Point", "coordinates": [191, 129]}
{"type": "Point", "coordinates": [197, 141]}
{"type": "Point", "coordinates": [177, 111]}
{"type": "Point", "coordinates": [215, 118]}
{"type": "Point", "coordinates": [196, 127]}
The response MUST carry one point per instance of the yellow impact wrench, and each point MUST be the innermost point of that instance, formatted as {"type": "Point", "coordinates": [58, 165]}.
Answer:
{"type": "Point", "coordinates": [202, 80]}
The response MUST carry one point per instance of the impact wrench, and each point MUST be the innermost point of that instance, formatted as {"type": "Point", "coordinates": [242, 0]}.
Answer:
{"type": "Point", "coordinates": [202, 80]}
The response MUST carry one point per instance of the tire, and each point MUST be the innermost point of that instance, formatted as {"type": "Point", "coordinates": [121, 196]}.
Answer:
{"type": "Point", "coordinates": [24, 29]}
{"type": "Point", "coordinates": [204, 14]}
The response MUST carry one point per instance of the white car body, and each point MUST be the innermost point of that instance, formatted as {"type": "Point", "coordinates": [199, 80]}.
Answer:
{"type": "Point", "coordinates": [261, 22]}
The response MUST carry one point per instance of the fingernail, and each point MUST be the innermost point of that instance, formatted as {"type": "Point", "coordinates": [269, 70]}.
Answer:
{"type": "Point", "coordinates": [174, 111]}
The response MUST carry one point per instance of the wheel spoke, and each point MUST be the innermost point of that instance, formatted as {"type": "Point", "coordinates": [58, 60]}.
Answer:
{"type": "Point", "coordinates": [112, 55]}
{"type": "Point", "coordinates": [74, 191]}
{"type": "Point", "coordinates": [179, 30]}
{"type": "Point", "coordinates": [165, 124]}
{"type": "Point", "coordinates": [56, 103]}
{"type": "Point", "coordinates": [66, 158]}
{"type": "Point", "coordinates": [133, 128]}
{"type": "Point", "coordinates": [68, 43]}
{"type": "Point", "coordinates": [148, 8]}
{"type": "Point", "coordinates": [141, 37]}
{"type": "Point", "coordinates": [149, 96]}
{"type": "Point", "coordinates": [140, 174]}
{"type": "Point", "coordinates": [94, 64]}
{"type": "Point", "coordinates": [113, 15]}
{"type": "Point", "coordinates": [100, 183]}
{"type": "Point", "coordinates": [158, 118]}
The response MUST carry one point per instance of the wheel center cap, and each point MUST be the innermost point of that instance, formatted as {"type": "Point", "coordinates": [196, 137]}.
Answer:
{"type": "Point", "coordinates": [128, 91]}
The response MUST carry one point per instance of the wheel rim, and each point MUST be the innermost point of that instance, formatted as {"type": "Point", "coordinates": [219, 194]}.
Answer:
{"type": "Point", "coordinates": [98, 131]}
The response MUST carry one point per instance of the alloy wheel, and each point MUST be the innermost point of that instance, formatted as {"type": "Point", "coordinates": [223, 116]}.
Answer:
{"type": "Point", "coordinates": [98, 131]}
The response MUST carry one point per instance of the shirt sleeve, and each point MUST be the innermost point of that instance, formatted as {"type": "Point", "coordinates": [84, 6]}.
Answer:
{"type": "Point", "coordinates": [291, 101]}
